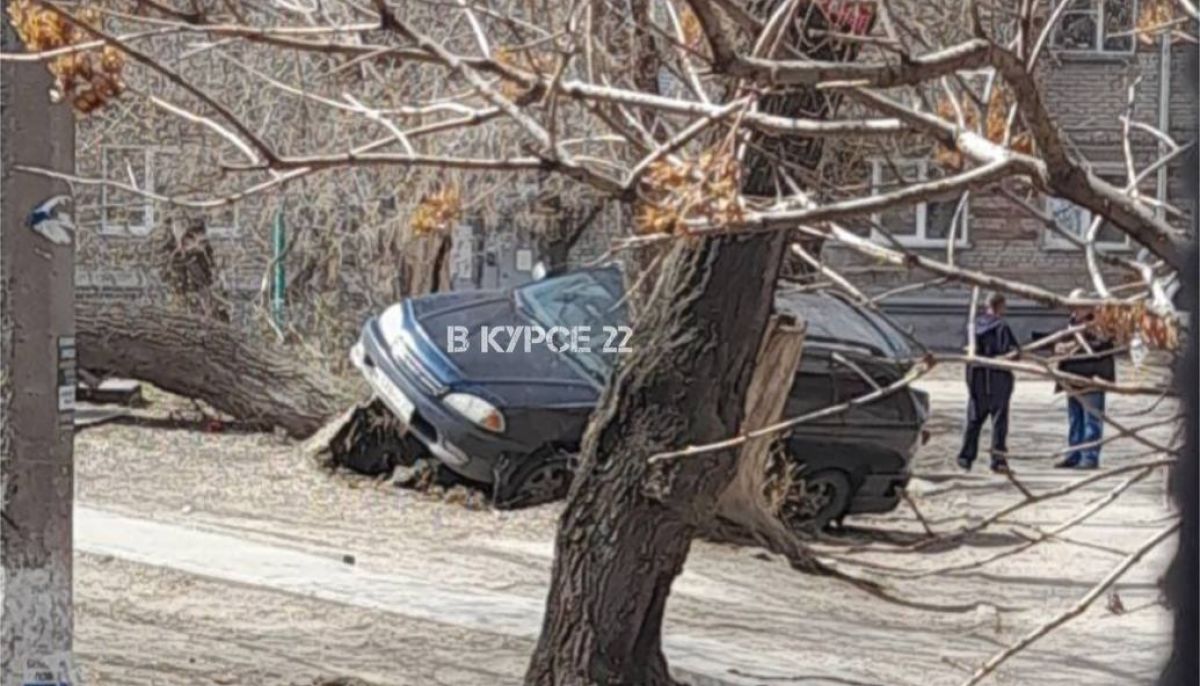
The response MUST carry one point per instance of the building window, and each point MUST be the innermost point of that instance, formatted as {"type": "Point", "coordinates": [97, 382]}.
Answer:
{"type": "Point", "coordinates": [218, 223]}
{"type": "Point", "coordinates": [161, 170]}
{"type": "Point", "coordinates": [1077, 220]}
{"type": "Point", "coordinates": [122, 212]}
{"type": "Point", "coordinates": [1097, 26]}
{"type": "Point", "coordinates": [223, 222]}
{"type": "Point", "coordinates": [928, 224]}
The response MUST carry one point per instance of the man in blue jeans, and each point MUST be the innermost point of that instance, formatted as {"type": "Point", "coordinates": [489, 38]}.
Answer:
{"type": "Point", "coordinates": [1092, 357]}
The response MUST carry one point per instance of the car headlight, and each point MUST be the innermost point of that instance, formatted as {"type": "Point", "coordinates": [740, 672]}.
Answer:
{"type": "Point", "coordinates": [391, 322]}
{"type": "Point", "coordinates": [477, 410]}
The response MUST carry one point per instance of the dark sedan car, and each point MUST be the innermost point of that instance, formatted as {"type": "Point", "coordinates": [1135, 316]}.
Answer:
{"type": "Point", "coordinates": [499, 407]}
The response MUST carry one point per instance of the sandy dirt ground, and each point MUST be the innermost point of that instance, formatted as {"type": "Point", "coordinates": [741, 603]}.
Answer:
{"type": "Point", "coordinates": [225, 558]}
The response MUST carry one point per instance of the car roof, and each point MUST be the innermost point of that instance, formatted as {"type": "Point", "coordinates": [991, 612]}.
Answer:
{"type": "Point", "coordinates": [831, 318]}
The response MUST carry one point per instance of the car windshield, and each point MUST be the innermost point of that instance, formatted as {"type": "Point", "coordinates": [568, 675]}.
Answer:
{"type": "Point", "coordinates": [588, 302]}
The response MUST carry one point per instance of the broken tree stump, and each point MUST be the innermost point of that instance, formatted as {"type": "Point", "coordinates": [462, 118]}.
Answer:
{"type": "Point", "coordinates": [747, 511]}
{"type": "Point", "coordinates": [367, 439]}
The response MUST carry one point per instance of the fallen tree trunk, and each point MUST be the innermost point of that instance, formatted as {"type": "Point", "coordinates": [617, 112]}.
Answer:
{"type": "Point", "coordinates": [205, 359]}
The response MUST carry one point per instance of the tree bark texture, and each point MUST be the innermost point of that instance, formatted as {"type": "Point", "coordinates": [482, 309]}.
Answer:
{"type": "Point", "coordinates": [628, 524]}
{"type": "Point", "coordinates": [556, 241]}
{"type": "Point", "coordinates": [189, 271]}
{"type": "Point", "coordinates": [1182, 594]}
{"type": "Point", "coordinates": [202, 358]}
{"type": "Point", "coordinates": [426, 264]}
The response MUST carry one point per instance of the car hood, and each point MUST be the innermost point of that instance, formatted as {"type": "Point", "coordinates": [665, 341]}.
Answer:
{"type": "Point", "coordinates": [538, 377]}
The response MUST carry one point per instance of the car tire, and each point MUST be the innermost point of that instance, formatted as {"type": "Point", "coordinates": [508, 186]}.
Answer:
{"type": "Point", "coordinates": [814, 500]}
{"type": "Point", "coordinates": [541, 478]}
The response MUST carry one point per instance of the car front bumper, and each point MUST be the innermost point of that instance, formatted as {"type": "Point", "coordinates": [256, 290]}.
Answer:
{"type": "Point", "coordinates": [454, 441]}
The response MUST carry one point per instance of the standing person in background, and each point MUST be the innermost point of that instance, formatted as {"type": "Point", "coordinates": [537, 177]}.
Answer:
{"type": "Point", "coordinates": [1091, 356]}
{"type": "Point", "coordinates": [990, 389]}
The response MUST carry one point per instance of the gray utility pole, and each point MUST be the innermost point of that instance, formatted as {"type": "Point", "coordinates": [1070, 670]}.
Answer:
{"type": "Point", "coordinates": [37, 377]}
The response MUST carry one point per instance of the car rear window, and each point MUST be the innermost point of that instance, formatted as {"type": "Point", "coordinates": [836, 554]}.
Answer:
{"type": "Point", "coordinates": [831, 318]}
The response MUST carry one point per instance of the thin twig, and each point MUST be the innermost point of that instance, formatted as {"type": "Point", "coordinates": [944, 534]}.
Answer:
{"type": "Point", "coordinates": [1075, 610]}
{"type": "Point", "coordinates": [913, 374]}
{"type": "Point", "coordinates": [916, 511]}
{"type": "Point", "coordinates": [1008, 510]}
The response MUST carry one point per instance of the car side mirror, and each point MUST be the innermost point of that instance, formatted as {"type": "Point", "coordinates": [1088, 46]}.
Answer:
{"type": "Point", "coordinates": [540, 271]}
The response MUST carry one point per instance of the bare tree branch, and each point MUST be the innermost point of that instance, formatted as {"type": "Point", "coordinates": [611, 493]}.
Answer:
{"type": "Point", "coordinates": [1075, 610]}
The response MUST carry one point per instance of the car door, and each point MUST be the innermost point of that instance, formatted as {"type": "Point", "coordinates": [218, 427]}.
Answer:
{"type": "Point", "coordinates": [825, 442]}
{"type": "Point", "coordinates": [850, 383]}
{"type": "Point", "coordinates": [812, 388]}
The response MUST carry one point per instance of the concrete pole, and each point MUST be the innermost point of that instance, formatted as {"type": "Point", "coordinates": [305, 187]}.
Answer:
{"type": "Point", "coordinates": [37, 384]}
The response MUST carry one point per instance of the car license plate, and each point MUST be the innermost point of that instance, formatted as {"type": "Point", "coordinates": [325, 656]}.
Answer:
{"type": "Point", "coordinates": [394, 398]}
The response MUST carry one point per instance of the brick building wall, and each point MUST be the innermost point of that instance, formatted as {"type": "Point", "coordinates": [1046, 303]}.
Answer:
{"type": "Point", "coordinates": [1087, 93]}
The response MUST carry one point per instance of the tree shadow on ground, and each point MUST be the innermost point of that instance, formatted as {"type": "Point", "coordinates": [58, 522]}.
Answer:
{"type": "Point", "coordinates": [854, 536]}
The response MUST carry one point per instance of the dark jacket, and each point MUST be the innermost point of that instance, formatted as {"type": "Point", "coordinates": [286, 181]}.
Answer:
{"type": "Point", "coordinates": [1101, 363]}
{"type": "Point", "coordinates": [993, 338]}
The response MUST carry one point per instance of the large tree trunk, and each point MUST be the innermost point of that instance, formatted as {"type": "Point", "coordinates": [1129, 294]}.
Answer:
{"type": "Point", "coordinates": [208, 360]}
{"type": "Point", "coordinates": [1180, 580]}
{"type": "Point", "coordinates": [189, 271]}
{"type": "Point", "coordinates": [555, 242]}
{"type": "Point", "coordinates": [628, 524]}
{"type": "Point", "coordinates": [426, 264]}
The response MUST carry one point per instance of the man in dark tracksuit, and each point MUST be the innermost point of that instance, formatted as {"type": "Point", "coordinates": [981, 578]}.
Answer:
{"type": "Point", "coordinates": [990, 388]}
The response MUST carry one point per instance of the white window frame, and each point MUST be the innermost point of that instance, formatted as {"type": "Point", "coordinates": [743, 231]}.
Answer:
{"type": "Point", "coordinates": [149, 210]}
{"type": "Point", "coordinates": [920, 238]}
{"type": "Point", "coordinates": [126, 229]}
{"type": "Point", "coordinates": [1097, 9]}
{"type": "Point", "coordinates": [1051, 240]}
{"type": "Point", "coordinates": [212, 230]}
{"type": "Point", "coordinates": [233, 230]}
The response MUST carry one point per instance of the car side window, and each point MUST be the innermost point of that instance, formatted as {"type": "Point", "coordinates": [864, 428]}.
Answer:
{"type": "Point", "coordinates": [812, 390]}
{"type": "Point", "coordinates": [850, 385]}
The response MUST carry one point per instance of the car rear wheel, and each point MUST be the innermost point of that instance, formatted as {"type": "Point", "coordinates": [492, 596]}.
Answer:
{"type": "Point", "coordinates": [814, 500]}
